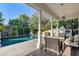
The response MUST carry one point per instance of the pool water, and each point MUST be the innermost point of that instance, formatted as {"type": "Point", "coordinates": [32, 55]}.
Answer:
{"type": "Point", "coordinates": [10, 41]}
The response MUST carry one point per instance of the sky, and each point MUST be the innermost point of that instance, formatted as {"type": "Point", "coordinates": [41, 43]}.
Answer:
{"type": "Point", "coordinates": [13, 10]}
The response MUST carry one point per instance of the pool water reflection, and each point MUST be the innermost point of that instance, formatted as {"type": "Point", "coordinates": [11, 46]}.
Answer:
{"type": "Point", "coordinates": [10, 41]}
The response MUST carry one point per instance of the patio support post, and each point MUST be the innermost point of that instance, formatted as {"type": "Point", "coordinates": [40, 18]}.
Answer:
{"type": "Point", "coordinates": [57, 26]}
{"type": "Point", "coordinates": [51, 28]}
{"type": "Point", "coordinates": [39, 43]}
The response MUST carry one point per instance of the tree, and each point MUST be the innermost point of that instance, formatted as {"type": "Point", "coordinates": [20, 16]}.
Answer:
{"type": "Point", "coordinates": [21, 23]}
{"type": "Point", "coordinates": [71, 23]}
{"type": "Point", "coordinates": [24, 23]}
{"type": "Point", "coordinates": [54, 24]}
{"type": "Point", "coordinates": [45, 23]}
{"type": "Point", "coordinates": [62, 23]}
{"type": "Point", "coordinates": [1, 28]}
{"type": "Point", "coordinates": [34, 23]}
{"type": "Point", "coordinates": [1, 19]}
{"type": "Point", "coordinates": [1, 24]}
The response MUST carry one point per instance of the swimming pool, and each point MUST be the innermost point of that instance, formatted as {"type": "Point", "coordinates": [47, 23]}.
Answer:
{"type": "Point", "coordinates": [10, 41]}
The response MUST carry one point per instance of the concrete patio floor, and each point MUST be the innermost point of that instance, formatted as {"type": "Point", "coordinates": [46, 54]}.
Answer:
{"type": "Point", "coordinates": [42, 52]}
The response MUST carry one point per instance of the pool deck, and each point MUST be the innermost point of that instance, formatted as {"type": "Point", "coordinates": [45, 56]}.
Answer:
{"type": "Point", "coordinates": [19, 49]}
{"type": "Point", "coordinates": [28, 48]}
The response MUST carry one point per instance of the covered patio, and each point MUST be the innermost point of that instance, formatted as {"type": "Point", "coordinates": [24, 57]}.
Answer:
{"type": "Point", "coordinates": [53, 44]}
{"type": "Point", "coordinates": [59, 12]}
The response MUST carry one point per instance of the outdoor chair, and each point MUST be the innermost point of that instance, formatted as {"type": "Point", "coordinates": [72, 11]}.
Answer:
{"type": "Point", "coordinates": [53, 44]}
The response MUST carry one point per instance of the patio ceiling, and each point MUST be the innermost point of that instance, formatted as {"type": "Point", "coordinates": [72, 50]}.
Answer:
{"type": "Point", "coordinates": [70, 10]}
{"type": "Point", "coordinates": [59, 10]}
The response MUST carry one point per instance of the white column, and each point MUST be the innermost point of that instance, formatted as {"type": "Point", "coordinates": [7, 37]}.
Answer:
{"type": "Point", "coordinates": [51, 29]}
{"type": "Point", "coordinates": [57, 26]}
{"type": "Point", "coordinates": [39, 43]}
